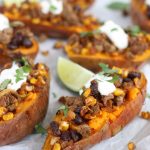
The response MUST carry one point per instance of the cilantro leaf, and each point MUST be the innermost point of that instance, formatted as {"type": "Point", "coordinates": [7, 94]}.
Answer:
{"type": "Point", "coordinates": [4, 84]}
{"type": "Point", "coordinates": [106, 70]}
{"type": "Point", "coordinates": [40, 130]}
{"type": "Point", "coordinates": [53, 8]}
{"type": "Point", "coordinates": [114, 29]}
{"type": "Point", "coordinates": [114, 79]}
{"type": "Point", "coordinates": [135, 30]}
{"type": "Point", "coordinates": [89, 33]}
{"type": "Point", "coordinates": [65, 109]}
{"type": "Point", "coordinates": [119, 6]}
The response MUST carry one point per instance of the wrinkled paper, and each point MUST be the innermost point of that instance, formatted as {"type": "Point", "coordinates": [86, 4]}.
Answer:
{"type": "Point", "coordinates": [137, 131]}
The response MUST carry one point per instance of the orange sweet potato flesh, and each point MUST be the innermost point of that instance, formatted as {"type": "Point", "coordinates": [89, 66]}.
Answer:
{"type": "Point", "coordinates": [84, 4]}
{"type": "Point", "coordinates": [49, 29]}
{"type": "Point", "coordinates": [123, 115]}
{"type": "Point", "coordinates": [91, 61]}
{"type": "Point", "coordinates": [138, 15]}
{"type": "Point", "coordinates": [29, 113]}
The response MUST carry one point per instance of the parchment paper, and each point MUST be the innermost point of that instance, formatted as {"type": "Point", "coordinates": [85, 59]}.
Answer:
{"type": "Point", "coordinates": [137, 131]}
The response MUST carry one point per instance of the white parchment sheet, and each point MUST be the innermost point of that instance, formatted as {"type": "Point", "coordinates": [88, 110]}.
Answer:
{"type": "Point", "coordinates": [137, 131]}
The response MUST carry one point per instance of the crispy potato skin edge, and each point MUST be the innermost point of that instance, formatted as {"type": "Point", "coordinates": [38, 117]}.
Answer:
{"type": "Point", "coordinates": [23, 124]}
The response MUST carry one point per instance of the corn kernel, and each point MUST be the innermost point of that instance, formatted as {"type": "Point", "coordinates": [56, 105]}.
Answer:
{"type": "Point", "coordinates": [87, 92]}
{"type": "Point", "coordinates": [3, 110]}
{"type": "Point", "coordinates": [8, 116]}
{"type": "Point", "coordinates": [84, 51]}
{"type": "Point", "coordinates": [125, 73]}
{"type": "Point", "coordinates": [90, 101]}
{"type": "Point", "coordinates": [119, 92]}
{"type": "Point", "coordinates": [71, 115]}
{"type": "Point", "coordinates": [64, 126]}
{"type": "Point", "coordinates": [33, 81]}
{"type": "Point", "coordinates": [131, 146]}
{"type": "Point", "coordinates": [36, 20]}
{"type": "Point", "coordinates": [57, 146]}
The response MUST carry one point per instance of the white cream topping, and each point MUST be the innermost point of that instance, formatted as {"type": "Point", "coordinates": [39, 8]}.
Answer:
{"type": "Point", "coordinates": [11, 75]}
{"type": "Point", "coordinates": [104, 87]}
{"type": "Point", "coordinates": [53, 6]}
{"type": "Point", "coordinates": [147, 2]}
{"type": "Point", "coordinates": [4, 22]}
{"type": "Point", "coordinates": [116, 34]}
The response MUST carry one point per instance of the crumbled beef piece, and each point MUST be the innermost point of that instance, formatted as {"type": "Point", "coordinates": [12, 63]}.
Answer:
{"type": "Point", "coordinates": [95, 109]}
{"type": "Point", "coordinates": [72, 101]}
{"type": "Point", "coordinates": [119, 100]}
{"type": "Point", "coordinates": [55, 128]}
{"type": "Point", "coordinates": [84, 130]}
{"type": "Point", "coordinates": [94, 90]}
{"type": "Point", "coordinates": [127, 80]}
{"type": "Point", "coordinates": [148, 12]}
{"type": "Point", "coordinates": [8, 99]}
{"type": "Point", "coordinates": [75, 135]}
{"type": "Point", "coordinates": [6, 35]}
{"type": "Point", "coordinates": [118, 83]}
{"type": "Point", "coordinates": [128, 85]}
{"type": "Point", "coordinates": [69, 15]}
{"type": "Point", "coordinates": [105, 99]}
{"type": "Point", "coordinates": [65, 136]}
{"type": "Point", "coordinates": [78, 120]}
{"type": "Point", "coordinates": [133, 75]}
{"type": "Point", "coordinates": [65, 144]}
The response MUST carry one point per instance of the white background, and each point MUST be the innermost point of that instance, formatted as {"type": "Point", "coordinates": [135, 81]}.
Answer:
{"type": "Point", "coordinates": [137, 131]}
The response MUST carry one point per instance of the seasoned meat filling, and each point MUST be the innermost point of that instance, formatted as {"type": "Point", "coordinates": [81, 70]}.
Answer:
{"type": "Point", "coordinates": [99, 43]}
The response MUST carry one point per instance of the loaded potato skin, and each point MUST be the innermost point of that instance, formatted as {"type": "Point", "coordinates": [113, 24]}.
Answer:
{"type": "Point", "coordinates": [91, 122]}
{"type": "Point", "coordinates": [28, 109]}
{"type": "Point", "coordinates": [70, 20]}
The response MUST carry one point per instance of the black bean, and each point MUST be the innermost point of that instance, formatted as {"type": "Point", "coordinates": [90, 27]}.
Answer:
{"type": "Point", "coordinates": [148, 11]}
{"type": "Point", "coordinates": [65, 136]}
{"type": "Point", "coordinates": [94, 90]}
{"type": "Point", "coordinates": [75, 135]}
{"type": "Point", "coordinates": [12, 46]}
{"type": "Point", "coordinates": [55, 128]}
{"type": "Point", "coordinates": [27, 42]}
{"type": "Point", "coordinates": [127, 80]}
{"type": "Point", "coordinates": [77, 110]}
{"type": "Point", "coordinates": [133, 75]}
{"type": "Point", "coordinates": [78, 120]}
{"type": "Point", "coordinates": [19, 38]}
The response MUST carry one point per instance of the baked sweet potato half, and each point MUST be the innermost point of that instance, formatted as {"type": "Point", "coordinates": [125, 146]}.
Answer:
{"type": "Point", "coordinates": [140, 13]}
{"type": "Point", "coordinates": [84, 4]}
{"type": "Point", "coordinates": [23, 99]}
{"type": "Point", "coordinates": [91, 48]}
{"type": "Point", "coordinates": [99, 113]}
{"type": "Point", "coordinates": [70, 20]}
{"type": "Point", "coordinates": [17, 39]}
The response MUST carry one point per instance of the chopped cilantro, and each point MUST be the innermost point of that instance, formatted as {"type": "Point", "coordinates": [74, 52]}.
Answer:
{"type": "Point", "coordinates": [4, 84]}
{"type": "Point", "coordinates": [135, 30]}
{"type": "Point", "coordinates": [119, 6]}
{"type": "Point", "coordinates": [40, 130]}
{"type": "Point", "coordinates": [65, 109]}
{"type": "Point", "coordinates": [114, 29]}
{"type": "Point", "coordinates": [89, 33]}
{"type": "Point", "coordinates": [53, 8]}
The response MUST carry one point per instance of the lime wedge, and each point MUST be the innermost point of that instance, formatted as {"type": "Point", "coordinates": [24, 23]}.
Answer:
{"type": "Point", "coordinates": [72, 75]}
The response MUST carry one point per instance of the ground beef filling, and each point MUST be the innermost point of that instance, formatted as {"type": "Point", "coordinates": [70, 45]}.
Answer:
{"type": "Point", "coordinates": [99, 43]}
{"type": "Point", "coordinates": [75, 125]}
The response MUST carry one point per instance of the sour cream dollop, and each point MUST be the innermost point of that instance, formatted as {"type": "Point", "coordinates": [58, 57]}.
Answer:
{"type": "Point", "coordinates": [53, 6]}
{"type": "Point", "coordinates": [147, 2]}
{"type": "Point", "coordinates": [104, 86]}
{"type": "Point", "coordinates": [11, 75]}
{"type": "Point", "coordinates": [4, 22]}
{"type": "Point", "coordinates": [116, 34]}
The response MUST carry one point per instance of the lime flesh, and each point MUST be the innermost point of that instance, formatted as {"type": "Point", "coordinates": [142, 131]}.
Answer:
{"type": "Point", "coordinates": [72, 75]}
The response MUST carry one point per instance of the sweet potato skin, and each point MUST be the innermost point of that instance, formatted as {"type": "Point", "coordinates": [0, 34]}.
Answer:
{"type": "Point", "coordinates": [138, 16]}
{"type": "Point", "coordinates": [92, 63]}
{"type": "Point", "coordinates": [24, 122]}
{"type": "Point", "coordinates": [131, 110]}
